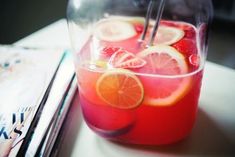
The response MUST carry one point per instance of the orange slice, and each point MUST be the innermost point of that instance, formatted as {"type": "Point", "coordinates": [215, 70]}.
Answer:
{"type": "Point", "coordinates": [120, 88]}
{"type": "Point", "coordinates": [167, 61]}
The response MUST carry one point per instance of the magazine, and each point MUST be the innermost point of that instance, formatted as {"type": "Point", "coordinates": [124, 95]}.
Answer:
{"type": "Point", "coordinates": [57, 104]}
{"type": "Point", "coordinates": [25, 75]}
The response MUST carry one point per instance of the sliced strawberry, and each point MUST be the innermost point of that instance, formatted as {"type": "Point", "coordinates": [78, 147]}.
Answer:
{"type": "Point", "coordinates": [186, 46]}
{"type": "Point", "coordinates": [139, 27]}
{"type": "Point", "coordinates": [109, 50]}
{"type": "Point", "coordinates": [190, 32]}
{"type": "Point", "coordinates": [125, 59]}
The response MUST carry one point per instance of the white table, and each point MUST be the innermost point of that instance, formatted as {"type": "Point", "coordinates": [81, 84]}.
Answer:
{"type": "Point", "coordinates": [213, 135]}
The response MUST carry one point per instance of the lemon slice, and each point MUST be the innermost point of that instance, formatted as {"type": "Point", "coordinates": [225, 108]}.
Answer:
{"type": "Point", "coordinates": [164, 60]}
{"type": "Point", "coordinates": [114, 30]}
{"type": "Point", "coordinates": [98, 63]}
{"type": "Point", "coordinates": [168, 35]}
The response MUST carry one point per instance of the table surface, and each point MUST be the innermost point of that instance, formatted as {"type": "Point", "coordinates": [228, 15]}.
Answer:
{"type": "Point", "coordinates": [213, 134]}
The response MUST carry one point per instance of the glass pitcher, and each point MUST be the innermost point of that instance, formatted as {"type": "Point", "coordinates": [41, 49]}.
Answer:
{"type": "Point", "coordinates": [139, 66]}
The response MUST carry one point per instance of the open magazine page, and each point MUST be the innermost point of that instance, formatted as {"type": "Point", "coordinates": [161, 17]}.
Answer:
{"type": "Point", "coordinates": [24, 77]}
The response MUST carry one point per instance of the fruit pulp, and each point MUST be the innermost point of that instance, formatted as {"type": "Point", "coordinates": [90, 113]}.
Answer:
{"type": "Point", "coordinates": [162, 108]}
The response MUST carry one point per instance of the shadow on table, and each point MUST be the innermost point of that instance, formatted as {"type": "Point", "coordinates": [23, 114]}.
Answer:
{"type": "Point", "coordinates": [206, 139]}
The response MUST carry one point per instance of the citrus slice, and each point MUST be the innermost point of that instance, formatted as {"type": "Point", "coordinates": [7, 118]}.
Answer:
{"type": "Point", "coordinates": [189, 29]}
{"type": "Point", "coordinates": [97, 64]}
{"type": "Point", "coordinates": [120, 88]}
{"type": "Point", "coordinates": [167, 61]}
{"type": "Point", "coordinates": [163, 59]}
{"type": "Point", "coordinates": [168, 35]}
{"type": "Point", "coordinates": [114, 30]}
{"type": "Point", "coordinates": [125, 59]}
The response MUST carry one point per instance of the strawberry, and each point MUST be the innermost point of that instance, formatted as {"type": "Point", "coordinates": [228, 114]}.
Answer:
{"type": "Point", "coordinates": [186, 46]}
{"type": "Point", "coordinates": [108, 51]}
